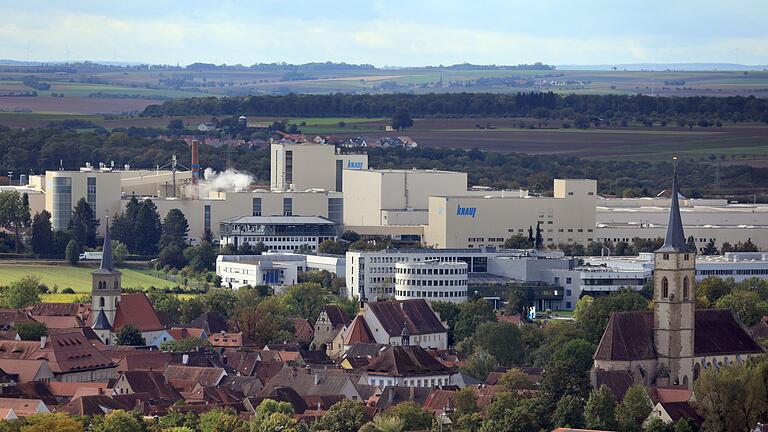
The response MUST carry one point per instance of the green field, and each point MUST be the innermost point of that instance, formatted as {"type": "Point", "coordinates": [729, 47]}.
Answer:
{"type": "Point", "coordinates": [77, 278]}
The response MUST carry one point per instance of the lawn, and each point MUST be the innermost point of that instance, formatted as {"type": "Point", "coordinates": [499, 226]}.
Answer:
{"type": "Point", "coordinates": [70, 298]}
{"type": "Point", "coordinates": [77, 278]}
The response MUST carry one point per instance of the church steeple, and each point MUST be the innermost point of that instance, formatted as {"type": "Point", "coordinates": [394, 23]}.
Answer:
{"type": "Point", "coordinates": [106, 289]}
{"type": "Point", "coordinates": [106, 256]}
{"type": "Point", "coordinates": [674, 241]}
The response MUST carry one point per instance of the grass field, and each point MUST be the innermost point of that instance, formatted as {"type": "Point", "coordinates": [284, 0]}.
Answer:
{"type": "Point", "coordinates": [77, 278]}
{"type": "Point", "coordinates": [71, 298]}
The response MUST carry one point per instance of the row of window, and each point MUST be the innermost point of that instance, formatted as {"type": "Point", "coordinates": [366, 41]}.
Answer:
{"type": "Point", "coordinates": [431, 294]}
{"type": "Point", "coordinates": [431, 282]}
{"type": "Point", "coordinates": [279, 239]}
{"type": "Point", "coordinates": [431, 271]}
{"type": "Point", "coordinates": [665, 288]}
{"type": "Point", "coordinates": [733, 272]}
{"type": "Point", "coordinates": [426, 382]}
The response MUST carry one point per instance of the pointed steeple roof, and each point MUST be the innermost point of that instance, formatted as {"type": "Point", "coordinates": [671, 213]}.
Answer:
{"type": "Point", "coordinates": [101, 322]}
{"type": "Point", "coordinates": [675, 238]}
{"type": "Point", "coordinates": [106, 256]}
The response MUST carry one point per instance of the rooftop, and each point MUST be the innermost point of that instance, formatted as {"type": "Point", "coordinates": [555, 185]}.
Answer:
{"type": "Point", "coordinates": [279, 220]}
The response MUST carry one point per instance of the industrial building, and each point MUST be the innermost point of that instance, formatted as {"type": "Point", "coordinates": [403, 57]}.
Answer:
{"type": "Point", "coordinates": [309, 165]}
{"type": "Point", "coordinates": [274, 269]}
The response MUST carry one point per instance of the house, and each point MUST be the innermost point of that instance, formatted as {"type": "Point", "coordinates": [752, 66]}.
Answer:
{"type": "Point", "coordinates": [149, 382]}
{"type": "Point", "coordinates": [205, 127]}
{"type": "Point", "coordinates": [232, 341]}
{"type": "Point", "coordinates": [28, 370]}
{"type": "Point", "coordinates": [393, 395]}
{"type": "Point", "coordinates": [670, 412]}
{"type": "Point", "coordinates": [315, 382]}
{"type": "Point", "coordinates": [210, 322]}
{"type": "Point", "coordinates": [12, 409]}
{"type": "Point", "coordinates": [179, 333]}
{"type": "Point", "coordinates": [330, 322]}
{"type": "Point", "coordinates": [391, 321]}
{"type": "Point", "coordinates": [95, 405]}
{"type": "Point", "coordinates": [303, 332]}
{"type": "Point", "coordinates": [673, 342]}
{"type": "Point", "coordinates": [180, 376]}
{"type": "Point", "coordinates": [70, 356]}
{"type": "Point", "coordinates": [409, 366]}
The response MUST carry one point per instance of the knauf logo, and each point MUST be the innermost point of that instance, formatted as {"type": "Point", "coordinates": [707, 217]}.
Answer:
{"type": "Point", "coordinates": [354, 165]}
{"type": "Point", "coordinates": [466, 211]}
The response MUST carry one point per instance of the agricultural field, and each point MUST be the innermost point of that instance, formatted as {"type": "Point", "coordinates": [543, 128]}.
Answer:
{"type": "Point", "coordinates": [77, 278]}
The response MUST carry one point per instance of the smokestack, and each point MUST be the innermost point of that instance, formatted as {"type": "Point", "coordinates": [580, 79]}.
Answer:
{"type": "Point", "coordinates": [195, 170]}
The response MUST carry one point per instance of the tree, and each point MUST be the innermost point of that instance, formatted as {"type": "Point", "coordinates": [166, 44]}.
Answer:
{"type": "Point", "coordinates": [72, 253]}
{"type": "Point", "coordinates": [332, 247]}
{"type": "Point", "coordinates": [569, 412]}
{"type": "Point", "coordinates": [219, 420]}
{"type": "Point", "coordinates": [350, 236]}
{"type": "Point", "coordinates": [710, 249]}
{"type": "Point", "coordinates": [176, 124]}
{"type": "Point", "coordinates": [383, 423]}
{"type": "Point", "coordinates": [401, 119]}
{"type": "Point", "coordinates": [502, 340]}
{"type": "Point", "coordinates": [129, 335]}
{"type": "Point", "coordinates": [267, 322]}
{"type": "Point", "coordinates": [273, 416]}
{"type": "Point", "coordinates": [539, 239]}
{"type": "Point", "coordinates": [118, 421]}
{"type": "Point", "coordinates": [42, 233]}
{"type": "Point", "coordinates": [147, 229]}
{"type": "Point", "coordinates": [119, 251]}
{"type": "Point", "coordinates": [691, 243]}
{"type": "Point", "coordinates": [31, 330]}
{"type": "Point", "coordinates": [165, 303]}
{"type": "Point", "coordinates": [172, 256]}
{"type": "Point", "coordinates": [600, 408]}
{"type": "Point", "coordinates": [567, 371]}
{"type": "Point", "coordinates": [201, 257]}
{"type": "Point", "coordinates": [745, 304]}
{"type": "Point", "coordinates": [12, 214]}
{"type": "Point", "coordinates": [464, 403]}
{"type": "Point", "coordinates": [344, 416]}
{"type": "Point", "coordinates": [413, 416]}
{"type": "Point", "coordinates": [592, 315]}
{"type": "Point", "coordinates": [449, 313]}
{"type": "Point", "coordinates": [732, 398]}
{"type": "Point", "coordinates": [175, 229]}
{"type": "Point", "coordinates": [59, 422]}
{"type": "Point", "coordinates": [634, 409]}
{"type": "Point", "coordinates": [83, 224]}
{"type": "Point", "coordinates": [306, 300]}
{"type": "Point", "coordinates": [22, 293]}
{"type": "Point", "coordinates": [517, 241]}
{"type": "Point", "coordinates": [472, 314]}
{"type": "Point", "coordinates": [515, 379]}
{"type": "Point", "coordinates": [123, 225]}
{"type": "Point", "coordinates": [655, 424]}
{"type": "Point", "coordinates": [531, 238]}
{"type": "Point", "coordinates": [709, 290]}
{"type": "Point", "coordinates": [479, 365]}
{"type": "Point", "coordinates": [187, 344]}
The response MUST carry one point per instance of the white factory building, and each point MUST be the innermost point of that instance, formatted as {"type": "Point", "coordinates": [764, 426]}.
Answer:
{"type": "Point", "coordinates": [274, 269]}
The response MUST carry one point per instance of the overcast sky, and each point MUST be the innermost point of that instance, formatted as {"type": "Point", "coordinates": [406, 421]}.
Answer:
{"type": "Point", "coordinates": [392, 32]}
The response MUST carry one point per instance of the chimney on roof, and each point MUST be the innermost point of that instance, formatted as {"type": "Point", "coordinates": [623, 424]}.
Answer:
{"type": "Point", "coordinates": [43, 341]}
{"type": "Point", "coordinates": [184, 359]}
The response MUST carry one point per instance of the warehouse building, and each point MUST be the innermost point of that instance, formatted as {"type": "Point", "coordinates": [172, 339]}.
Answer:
{"type": "Point", "coordinates": [310, 165]}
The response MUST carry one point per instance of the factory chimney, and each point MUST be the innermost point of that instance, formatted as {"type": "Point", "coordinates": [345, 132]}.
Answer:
{"type": "Point", "coordinates": [195, 169]}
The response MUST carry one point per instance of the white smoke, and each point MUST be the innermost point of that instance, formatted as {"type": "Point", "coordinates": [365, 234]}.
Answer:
{"type": "Point", "coordinates": [226, 181]}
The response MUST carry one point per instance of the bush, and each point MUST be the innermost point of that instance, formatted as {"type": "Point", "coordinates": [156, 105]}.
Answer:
{"type": "Point", "coordinates": [67, 291]}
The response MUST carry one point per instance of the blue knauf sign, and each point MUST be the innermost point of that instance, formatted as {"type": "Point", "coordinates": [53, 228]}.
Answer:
{"type": "Point", "coordinates": [466, 211]}
{"type": "Point", "coordinates": [354, 165]}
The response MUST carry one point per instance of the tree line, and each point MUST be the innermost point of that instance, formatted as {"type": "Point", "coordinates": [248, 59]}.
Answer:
{"type": "Point", "coordinates": [534, 104]}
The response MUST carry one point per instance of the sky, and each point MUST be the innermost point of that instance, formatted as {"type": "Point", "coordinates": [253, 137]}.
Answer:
{"type": "Point", "coordinates": [387, 33]}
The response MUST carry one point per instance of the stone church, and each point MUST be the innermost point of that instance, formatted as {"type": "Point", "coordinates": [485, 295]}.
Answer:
{"type": "Point", "coordinates": [674, 342]}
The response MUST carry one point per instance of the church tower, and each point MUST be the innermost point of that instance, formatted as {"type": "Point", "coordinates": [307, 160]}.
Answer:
{"type": "Point", "coordinates": [105, 287]}
{"type": "Point", "coordinates": [674, 304]}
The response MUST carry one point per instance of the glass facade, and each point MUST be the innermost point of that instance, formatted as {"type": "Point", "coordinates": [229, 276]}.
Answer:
{"type": "Point", "coordinates": [288, 167]}
{"type": "Point", "coordinates": [91, 194]}
{"type": "Point", "coordinates": [287, 206]}
{"type": "Point", "coordinates": [256, 207]}
{"type": "Point", "coordinates": [339, 175]}
{"type": "Point", "coordinates": [336, 209]}
{"type": "Point", "coordinates": [207, 217]}
{"type": "Point", "coordinates": [62, 202]}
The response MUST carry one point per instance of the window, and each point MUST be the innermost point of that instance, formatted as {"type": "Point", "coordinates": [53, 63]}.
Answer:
{"type": "Point", "coordinates": [256, 210]}
{"type": "Point", "coordinates": [62, 203]}
{"type": "Point", "coordinates": [339, 175]}
{"type": "Point", "coordinates": [287, 206]}
{"type": "Point", "coordinates": [288, 167]}
{"type": "Point", "coordinates": [665, 256]}
{"type": "Point", "coordinates": [101, 302]}
{"type": "Point", "coordinates": [91, 193]}
{"type": "Point", "coordinates": [664, 287]}
{"type": "Point", "coordinates": [207, 217]}
{"type": "Point", "coordinates": [685, 288]}
{"type": "Point", "coordinates": [336, 209]}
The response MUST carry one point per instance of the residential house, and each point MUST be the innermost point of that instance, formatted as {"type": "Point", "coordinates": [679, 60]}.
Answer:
{"type": "Point", "coordinates": [28, 370]}
{"type": "Point", "coordinates": [392, 321]}
{"type": "Point", "coordinates": [316, 382]}
{"type": "Point", "coordinates": [330, 322]}
{"type": "Point", "coordinates": [150, 382]}
{"type": "Point", "coordinates": [670, 412]}
{"type": "Point", "coordinates": [410, 366]}
{"type": "Point", "coordinates": [12, 409]}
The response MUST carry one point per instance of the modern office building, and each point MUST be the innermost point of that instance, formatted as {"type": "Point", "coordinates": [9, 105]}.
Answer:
{"type": "Point", "coordinates": [278, 233]}
{"type": "Point", "coordinates": [63, 189]}
{"type": "Point", "coordinates": [476, 221]}
{"type": "Point", "coordinates": [431, 280]}
{"type": "Point", "coordinates": [274, 270]}
{"type": "Point", "coordinates": [309, 165]}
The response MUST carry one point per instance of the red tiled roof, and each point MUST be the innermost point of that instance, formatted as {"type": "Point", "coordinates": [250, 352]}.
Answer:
{"type": "Point", "coordinates": [229, 340]}
{"type": "Point", "coordinates": [358, 332]}
{"type": "Point", "coordinates": [23, 407]}
{"type": "Point", "coordinates": [26, 369]}
{"type": "Point", "coordinates": [303, 330]}
{"type": "Point", "coordinates": [206, 376]}
{"type": "Point", "coordinates": [69, 389]}
{"type": "Point", "coordinates": [178, 333]}
{"type": "Point", "coordinates": [417, 315]}
{"type": "Point", "coordinates": [135, 309]}
{"type": "Point", "coordinates": [405, 361]}
{"type": "Point", "coordinates": [153, 383]}
{"type": "Point", "coordinates": [68, 352]}
{"type": "Point", "coordinates": [336, 315]}
{"type": "Point", "coordinates": [61, 322]}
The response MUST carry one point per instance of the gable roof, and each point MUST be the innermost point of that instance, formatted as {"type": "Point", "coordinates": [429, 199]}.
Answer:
{"type": "Point", "coordinates": [229, 340]}
{"type": "Point", "coordinates": [135, 309]}
{"type": "Point", "coordinates": [629, 336]}
{"type": "Point", "coordinates": [67, 352]}
{"type": "Point", "coordinates": [618, 381]}
{"type": "Point", "coordinates": [417, 315]}
{"type": "Point", "coordinates": [336, 315]}
{"type": "Point", "coordinates": [303, 330]}
{"type": "Point", "coordinates": [358, 332]}
{"type": "Point", "coordinates": [24, 407]}
{"type": "Point", "coordinates": [312, 382]}
{"type": "Point", "coordinates": [684, 410]}
{"type": "Point", "coordinates": [405, 361]}
{"type": "Point", "coordinates": [393, 395]}
{"type": "Point", "coordinates": [25, 369]}
{"type": "Point", "coordinates": [206, 376]}
{"type": "Point", "coordinates": [211, 322]}
{"type": "Point", "coordinates": [92, 405]}
{"type": "Point", "coordinates": [760, 330]}
{"type": "Point", "coordinates": [153, 383]}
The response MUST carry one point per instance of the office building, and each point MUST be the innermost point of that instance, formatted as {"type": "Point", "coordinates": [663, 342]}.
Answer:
{"type": "Point", "coordinates": [431, 280]}
{"type": "Point", "coordinates": [278, 233]}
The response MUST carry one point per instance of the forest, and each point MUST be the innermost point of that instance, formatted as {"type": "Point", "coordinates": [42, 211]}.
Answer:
{"type": "Point", "coordinates": [534, 104]}
{"type": "Point", "coordinates": [42, 149]}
